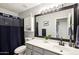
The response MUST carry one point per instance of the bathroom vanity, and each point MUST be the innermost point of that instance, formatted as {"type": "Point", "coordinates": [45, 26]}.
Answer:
{"type": "Point", "coordinates": [38, 46]}
{"type": "Point", "coordinates": [59, 24]}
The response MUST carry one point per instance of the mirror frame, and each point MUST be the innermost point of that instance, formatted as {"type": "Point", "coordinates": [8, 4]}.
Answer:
{"type": "Point", "coordinates": [76, 22]}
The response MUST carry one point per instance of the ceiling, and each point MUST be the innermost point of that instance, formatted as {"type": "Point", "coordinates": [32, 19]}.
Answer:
{"type": "Point", "coordinates": [17, 7]}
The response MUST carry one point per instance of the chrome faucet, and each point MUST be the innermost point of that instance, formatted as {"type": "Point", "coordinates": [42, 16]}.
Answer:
{"type": "Point", "coordinates": [61, 42]}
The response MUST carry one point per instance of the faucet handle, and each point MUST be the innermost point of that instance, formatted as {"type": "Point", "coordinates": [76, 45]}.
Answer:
{"type": "Point", "coordinates": [61, 43]}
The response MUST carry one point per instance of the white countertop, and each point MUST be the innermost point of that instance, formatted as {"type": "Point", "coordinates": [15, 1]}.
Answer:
{"type": "Point", "coordinates": [52, 45]}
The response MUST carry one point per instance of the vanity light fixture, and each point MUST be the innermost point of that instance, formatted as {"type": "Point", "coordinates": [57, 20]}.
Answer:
{"type": "Point", "coordinates": [54, 9]}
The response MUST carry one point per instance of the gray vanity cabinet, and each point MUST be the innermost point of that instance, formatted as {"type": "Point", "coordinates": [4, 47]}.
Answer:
{"type": "Point", "coordinates": [33, 50]}
{"type": "Point", "coordinates": [46, 52]}
{"type": "Point", "coordinates": [38, 50]}
{"type": "Point", "coordinates": [35, 53]}
{"type": "Point", "coordinates": [28, 51]}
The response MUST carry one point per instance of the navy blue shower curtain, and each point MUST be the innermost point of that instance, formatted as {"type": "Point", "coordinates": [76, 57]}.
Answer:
{"type": "Point", "coordinates": [15, 38]}
{"type": "Point", "coordinates": [4, 39]}
{"type": "Point", "coordinates": [11, 34]}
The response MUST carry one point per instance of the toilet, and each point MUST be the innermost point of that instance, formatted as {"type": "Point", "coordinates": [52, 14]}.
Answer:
{"type": "Point", "coordinates": [21, 50]}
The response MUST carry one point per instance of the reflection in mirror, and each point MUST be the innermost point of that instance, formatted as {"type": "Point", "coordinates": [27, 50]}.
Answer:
{"type": "Point", "coordinates": [61, 28]}
{"type": "Point", "coordinates": [56, 24]}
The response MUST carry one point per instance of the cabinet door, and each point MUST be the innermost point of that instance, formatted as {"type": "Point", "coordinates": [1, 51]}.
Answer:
{"type": "Point", "coordinates": [46, 52]}
{"type": "Point", "coordinates": [29, 46]}
{"type": "Point", "coordinates": [28, 51]}
{"type": "Point", "coordinates": [40, 50]}
{"type": "Point", "coordinates": [36, 53]}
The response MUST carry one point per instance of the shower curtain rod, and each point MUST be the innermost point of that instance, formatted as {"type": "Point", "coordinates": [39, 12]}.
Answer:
{"type": "Point", "coordinates": [10, 16]}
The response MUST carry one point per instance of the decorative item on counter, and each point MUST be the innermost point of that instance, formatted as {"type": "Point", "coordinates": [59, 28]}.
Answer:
{"type": "Point", "coordinates": [46, 38]}
{"type": "Point", "coordinates": [49, 36]}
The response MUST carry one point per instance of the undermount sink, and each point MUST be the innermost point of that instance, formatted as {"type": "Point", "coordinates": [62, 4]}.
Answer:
{"type": "Point", "coordinates": [61, 48]}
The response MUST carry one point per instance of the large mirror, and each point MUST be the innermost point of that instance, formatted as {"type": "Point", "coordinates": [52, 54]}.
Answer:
{"type": "Point", "coordinates": [58, 24]}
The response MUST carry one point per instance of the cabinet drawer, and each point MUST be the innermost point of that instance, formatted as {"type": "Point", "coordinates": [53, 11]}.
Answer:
{"type": "Point", "coordinates": [46, 52]}
{"type": "Point", "coordinates": [36, 53]}
{"type": "Point", "coordinates": [40, 50]}
{"type": "Point", "coordinates": [29, 46]}
{"type": "Point", "coordinates": [28, 51]}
